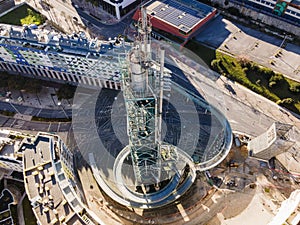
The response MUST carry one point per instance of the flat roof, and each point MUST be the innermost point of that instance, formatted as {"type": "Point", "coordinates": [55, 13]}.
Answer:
{"type": "Point", "coordinates": [296, 2]}
{"type": "Point", "coordinates": [75, 53]}
{"type": "Point", "coordinates": [37, 153]}
{"type": "Point", "coordinates": [178, 14]}
{"type": "Point", "coordinates": [41, 185]}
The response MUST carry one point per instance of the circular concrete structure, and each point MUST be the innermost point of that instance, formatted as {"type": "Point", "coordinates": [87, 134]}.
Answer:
{"type": "Point", "coordinates": [199, 133]}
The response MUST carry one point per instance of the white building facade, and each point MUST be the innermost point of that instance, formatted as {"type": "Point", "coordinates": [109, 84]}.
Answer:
{"type": "Point", "coordinates": [118, 8]}
{"type": "Point", "coordinates": [67, 58]}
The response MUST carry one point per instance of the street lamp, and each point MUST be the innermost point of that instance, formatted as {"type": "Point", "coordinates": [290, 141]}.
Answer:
{"type": "Point", "coordinates": [8, 100]}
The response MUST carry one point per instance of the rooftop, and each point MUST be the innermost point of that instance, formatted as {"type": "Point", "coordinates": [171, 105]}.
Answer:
{"type": "Point", "coordinates": [295, 2]}
{"type": "Point", "coordinates": [9, 146]}
{"type": "Point", "coordinates": [52, 41]}
{"type": "Point", "coordinates": [74, 53]}
{"type": "Point", "coordinates": [178, 14]}
{"type": "Point", "coordinates": [47, 199]}
{"type": "Point", "coordinates": [40, 36]}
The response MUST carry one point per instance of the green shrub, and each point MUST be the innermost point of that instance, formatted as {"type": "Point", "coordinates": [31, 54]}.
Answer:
{"type": "Point", "coordinates": [287, 101]}
{"type": "Point", "coordinates": [244, 62]}
{"type": "Point", "coordinates": [7, 113]}
{"type": "Point", "coordinates": [32, 18]}
{"type": "Point", "coordinates": [43, 119]}
{"type": "Point", "coordinates": [215, 64]}
{"type": "Point", "coordinates": [294, 88]}
{"type": "Point", "coordinates": [66, 91]}
{"type": "Point", "coordinates": [272, 84]}
{"type": "Point", "coordinates": [276, 77]}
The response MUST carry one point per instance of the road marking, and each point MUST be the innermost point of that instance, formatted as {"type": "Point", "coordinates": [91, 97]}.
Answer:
{"type": "Point", "coordinates": [39, 112]}
{"type": "Point", "coordinates": [232, 121]}
{"type": "Point", "coordinates": [205, 207]}
{"type": "Point", "coordinates": [12, 124]}
{"type": "Point", "coordinates": [19, 124]}
{"type": "Point", "coordinates": [49, 127]}
{"type": "Point", "coordinates": [183, 213]}
{"type": "Point", "coordinates": [58, 127]}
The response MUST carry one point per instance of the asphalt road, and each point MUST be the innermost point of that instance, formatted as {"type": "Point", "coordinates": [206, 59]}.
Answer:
{"type": "Point", "coordinates": [63, 13]}
{"type": "Point", "coordinates": [246, 111]}
{"type": "Point", "coordinates": [33, 111]}
{"type": "Point", "coordinates": [108, 31]}
{"type": "Point", "coordinates": [8, 122]}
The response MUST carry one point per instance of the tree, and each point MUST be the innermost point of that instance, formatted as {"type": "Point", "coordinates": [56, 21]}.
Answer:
{"type": "Point", "coordinates": [244, 61]}
{"type": "Point", "coordinates": [287, 101]}
{"type": "Point", "coordinates": [272, 84]}
{"type": "Point", "coordinates": [32, 18]}
{"type": "Point", "coordinates": [33, 86]}
{"type": "Point", "coordinates": [294, 88]}
{"type": "Point", "coordinates": [276, 77]}
{"type": "Point", "coordinates": [215, 64]}
{"type": "Point", "coordinates": [66, 91]}
{"type": "Point", "coordinates": [3, 80]}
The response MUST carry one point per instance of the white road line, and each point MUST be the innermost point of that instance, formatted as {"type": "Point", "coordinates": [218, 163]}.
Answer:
{"type": "Point", "coordinates": [39, 112]}
{"type": "Point", "coordinates": [49, 127]}
{"type": "Point", "coordinates": [58, 126]}
{"type": "Point", "coordinates": [183, 213]}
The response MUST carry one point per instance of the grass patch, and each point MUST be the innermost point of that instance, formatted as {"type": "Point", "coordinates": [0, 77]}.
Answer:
{"type": "Point", "coordinates": [7, 113]}
{"type": "Point", "coordinates": [261, 80]}
{"type": "Point", "coordinates": [42, 119]}
{"type": "Point", "coordinates": [28, 213]}
{"type": "Point", "coordinates": [15, 16]}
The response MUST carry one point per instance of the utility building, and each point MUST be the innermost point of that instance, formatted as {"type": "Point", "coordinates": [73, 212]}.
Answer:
{"type": "Point", "coordinates": [180, 18]}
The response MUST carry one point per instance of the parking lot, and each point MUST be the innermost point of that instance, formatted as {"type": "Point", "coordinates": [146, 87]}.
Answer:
{"type": "Point", "coordinates": [239, 40]}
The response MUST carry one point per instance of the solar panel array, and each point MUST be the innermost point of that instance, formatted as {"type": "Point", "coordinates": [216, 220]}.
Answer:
{"type": "Point", "coordinates": [180, 15]}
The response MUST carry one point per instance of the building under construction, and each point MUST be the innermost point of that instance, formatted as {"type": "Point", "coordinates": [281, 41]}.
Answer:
{"type": "Point", "coordinates": [277, 139]}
